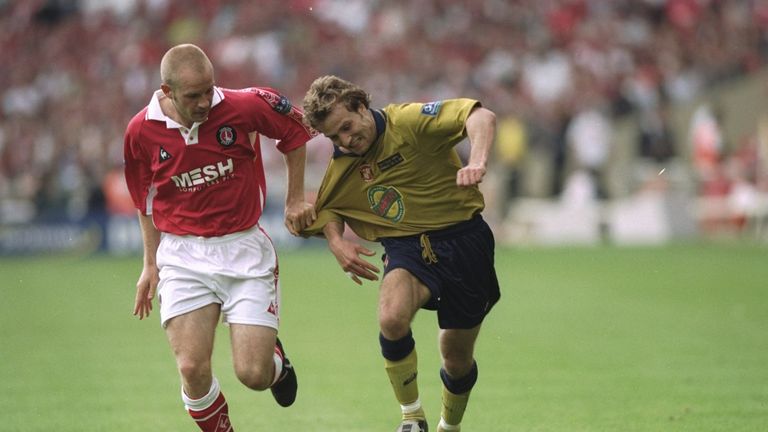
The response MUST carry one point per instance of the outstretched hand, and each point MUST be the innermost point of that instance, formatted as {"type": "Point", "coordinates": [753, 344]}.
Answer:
{"type": "Point", "coordinates": [348, 253]}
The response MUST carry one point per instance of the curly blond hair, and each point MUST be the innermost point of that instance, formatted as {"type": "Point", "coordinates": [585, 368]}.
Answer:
{"type": "Point", "coordinates": [325, 92]}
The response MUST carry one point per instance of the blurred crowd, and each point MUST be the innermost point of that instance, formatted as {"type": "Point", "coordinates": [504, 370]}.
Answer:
{"type": "Point", "coordinates": [557, 72]}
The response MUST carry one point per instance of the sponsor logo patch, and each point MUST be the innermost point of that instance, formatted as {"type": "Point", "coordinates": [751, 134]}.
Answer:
{"type": "Point", "coordinates": [386, 202]}
{"type": "Point", "coordinates": [226, 135]}
{"type": "Point", "coordinates": [431, 108]}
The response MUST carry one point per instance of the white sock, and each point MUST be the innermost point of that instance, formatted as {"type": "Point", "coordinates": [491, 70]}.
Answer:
{"type": "Point", "coordinates": [411, 407]}
{"type": "Point", "coordinates": [205, 401]}
{"type": "Point", "coordinates": [446, 427]}
{"type": "Point", "coordinates": [278, 367]}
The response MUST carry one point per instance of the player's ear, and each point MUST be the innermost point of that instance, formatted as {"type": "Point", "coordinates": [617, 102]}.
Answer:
{"type": "Point", "coordinates": [166, 89]}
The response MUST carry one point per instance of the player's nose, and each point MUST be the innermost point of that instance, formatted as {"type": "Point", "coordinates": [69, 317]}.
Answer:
{"type": "Point", "coordinates": [204, 103]}
{"type": "Point", "coordinates": [346, 140]}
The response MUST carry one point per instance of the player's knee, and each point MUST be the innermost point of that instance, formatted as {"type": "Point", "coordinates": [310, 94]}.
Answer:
{"type": "Point", "coordinates": [194, 370]}
{"type": "Point", "coordinates": [254, 377]}
{"type": "Point", "coordinates": [394, 325]}
{"type": "Point", "coordinates": [458, 363]}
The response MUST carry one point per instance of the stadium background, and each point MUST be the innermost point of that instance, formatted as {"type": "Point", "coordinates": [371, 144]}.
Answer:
{"type": "Point", "coordinates": [623, 122]}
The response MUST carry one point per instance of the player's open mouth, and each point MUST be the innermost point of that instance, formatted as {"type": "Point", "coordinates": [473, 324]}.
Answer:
{"type": "Point", "coordinates": [357, 143]}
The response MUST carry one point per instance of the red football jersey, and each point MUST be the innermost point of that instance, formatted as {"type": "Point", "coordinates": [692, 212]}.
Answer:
{"type": "Point", "coordinates": [208, 180]}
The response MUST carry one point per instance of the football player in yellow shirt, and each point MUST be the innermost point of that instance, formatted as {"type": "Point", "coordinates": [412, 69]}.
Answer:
{"type": "Point", "coordinates": [396, 178]}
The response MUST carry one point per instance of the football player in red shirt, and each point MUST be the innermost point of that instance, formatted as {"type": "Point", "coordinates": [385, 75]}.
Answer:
{"type": "Point", "coordinates": [194, 169]}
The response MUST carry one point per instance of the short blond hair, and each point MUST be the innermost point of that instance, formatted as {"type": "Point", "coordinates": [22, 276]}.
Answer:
{"type": "Point", "coordinates": [184, 56]}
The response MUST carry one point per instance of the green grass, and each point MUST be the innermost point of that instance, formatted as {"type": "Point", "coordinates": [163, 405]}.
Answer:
{"type": "Point", "coordinates": [593, 339]}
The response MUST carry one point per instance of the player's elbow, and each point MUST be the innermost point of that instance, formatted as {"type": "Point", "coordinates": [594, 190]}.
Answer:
{"type": "Point", "coordinates": [481, 117]}
{"type": "Point", "coordinates": [488, 116]}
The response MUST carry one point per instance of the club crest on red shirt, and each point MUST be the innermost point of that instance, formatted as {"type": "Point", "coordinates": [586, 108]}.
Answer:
{"type": "Point", "coordinates": [226, 136]}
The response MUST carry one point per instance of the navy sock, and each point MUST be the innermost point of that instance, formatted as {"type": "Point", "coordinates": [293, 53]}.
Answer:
{"type": "Point", "coordinates": [398, 349]}
{"type": "Point", "coordinates": [461, 385]}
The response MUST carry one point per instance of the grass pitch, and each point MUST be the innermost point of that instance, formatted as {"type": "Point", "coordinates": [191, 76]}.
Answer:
{"type": "Point", "coordinates": [593, 339]}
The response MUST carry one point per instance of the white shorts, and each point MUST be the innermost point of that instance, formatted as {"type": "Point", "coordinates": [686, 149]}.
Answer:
{"type": "Point", "coordinates": [238, 271]}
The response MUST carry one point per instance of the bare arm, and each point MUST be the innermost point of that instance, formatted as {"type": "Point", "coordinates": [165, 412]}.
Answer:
{"type": "Point", "coordinates": [147, 283]}
{"type": "Point", "coordinates": [481, 130]}
{"type": "Point", "coordinates": [298, 212]}
{"type": "Point", "coordinates": [347, 253]}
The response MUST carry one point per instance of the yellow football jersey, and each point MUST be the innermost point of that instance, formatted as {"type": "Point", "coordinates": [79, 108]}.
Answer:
{"type": "Point", "coordinates": [406, 183]}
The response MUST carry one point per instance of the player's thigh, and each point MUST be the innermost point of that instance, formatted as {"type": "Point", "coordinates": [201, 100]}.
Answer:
{"type": "Point", "coordinates": [191, 334]}
{"type": "Point", "coordinates": [253, 347]}
{"type": "Point", "coordinates": [401, 295]}
{"type": "Point", "coordinates": [457, 347]}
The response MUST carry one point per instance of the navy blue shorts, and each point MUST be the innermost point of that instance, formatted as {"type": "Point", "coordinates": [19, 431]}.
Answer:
{"type": "Point", "coordinates": [456, 264]}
